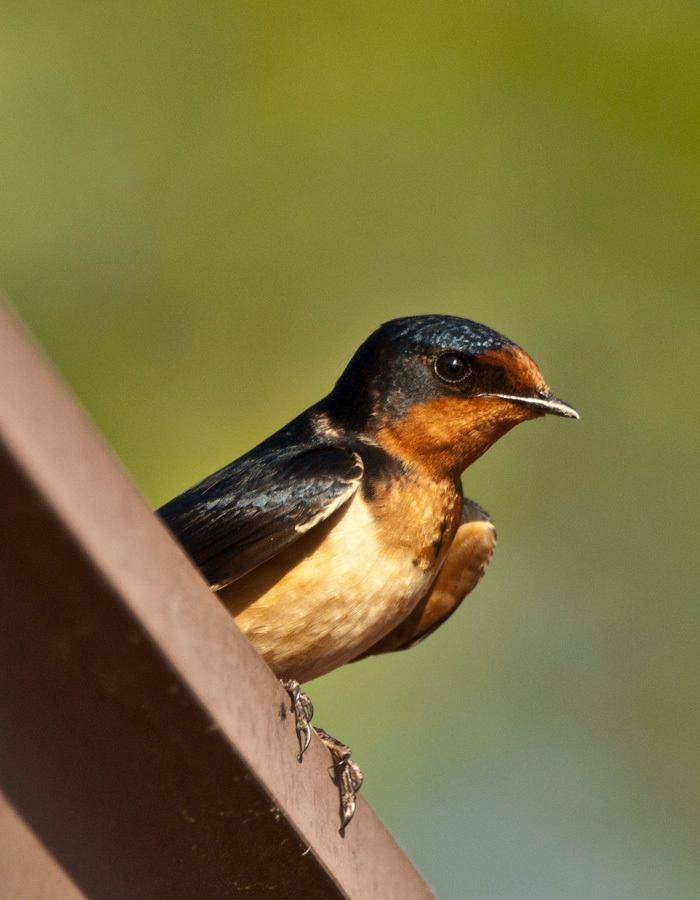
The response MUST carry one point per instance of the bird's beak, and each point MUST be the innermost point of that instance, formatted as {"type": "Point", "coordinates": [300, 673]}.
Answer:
{"type": "Point", "coordinates": [547, 402]}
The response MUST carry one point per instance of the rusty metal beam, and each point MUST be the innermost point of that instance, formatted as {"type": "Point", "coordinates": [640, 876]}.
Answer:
{"type": "Point", "coordinates": [142, 740]}
{"type": "Point", "coordinates": [27, 869]}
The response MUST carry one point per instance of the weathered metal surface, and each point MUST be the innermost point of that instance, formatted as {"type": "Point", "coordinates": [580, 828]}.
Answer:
{"type": "Point", "coordinates": [141, 737]}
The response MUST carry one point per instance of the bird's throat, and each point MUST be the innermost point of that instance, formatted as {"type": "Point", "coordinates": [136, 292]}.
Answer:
{"type": "Point", "coordinates": [448, 434]}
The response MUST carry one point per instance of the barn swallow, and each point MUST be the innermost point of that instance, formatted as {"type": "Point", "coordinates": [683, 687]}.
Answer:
{"type": "Point", "coordinates": [346, 532]}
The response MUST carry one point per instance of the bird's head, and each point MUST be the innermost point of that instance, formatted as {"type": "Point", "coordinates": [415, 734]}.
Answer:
{"type": "Point", "coordinates": [439, 390]}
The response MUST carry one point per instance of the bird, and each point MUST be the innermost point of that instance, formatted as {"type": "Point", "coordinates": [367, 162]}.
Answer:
{"type": "Point", "coordinates": [346, 533]}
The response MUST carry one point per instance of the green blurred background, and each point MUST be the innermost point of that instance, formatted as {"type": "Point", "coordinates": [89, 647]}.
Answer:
{"type": "Point", "coordinates": [206, 207]}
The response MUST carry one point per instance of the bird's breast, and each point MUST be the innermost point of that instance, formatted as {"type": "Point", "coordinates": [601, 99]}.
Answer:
{"type": "Point", "coordinates": [346, 583]}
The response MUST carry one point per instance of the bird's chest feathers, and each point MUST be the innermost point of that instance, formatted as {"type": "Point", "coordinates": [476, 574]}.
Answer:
{"type": "Point", "coordinates": [418, 519]}
{"type": "Point", "coordinates": [351, 579]}
{"type": "Point", "coordinates": [383, 553]}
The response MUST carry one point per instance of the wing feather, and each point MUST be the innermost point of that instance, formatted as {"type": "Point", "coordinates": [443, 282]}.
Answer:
{"type": "Point", "coordinates": [250, 510]}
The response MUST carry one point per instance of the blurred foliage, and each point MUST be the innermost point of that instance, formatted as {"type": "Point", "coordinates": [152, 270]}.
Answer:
{"type": "Point", "coordinates": [206, 207]}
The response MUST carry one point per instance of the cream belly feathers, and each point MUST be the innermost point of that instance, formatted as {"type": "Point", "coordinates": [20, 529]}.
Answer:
{"type": "Point", "coordinates": [348, 582]}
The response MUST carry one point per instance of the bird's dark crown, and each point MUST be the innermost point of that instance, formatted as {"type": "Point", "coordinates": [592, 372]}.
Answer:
{"type": "Point", "coordinates": [392, 369]}
{"type": "Point", "coordinates": [432, 333]}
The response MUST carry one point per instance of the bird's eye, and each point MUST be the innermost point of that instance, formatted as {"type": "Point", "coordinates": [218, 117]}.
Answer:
{"type": "Point", "coordinates": [452, 368]}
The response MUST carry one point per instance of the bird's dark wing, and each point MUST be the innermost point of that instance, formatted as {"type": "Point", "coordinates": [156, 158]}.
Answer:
{"type": "Point", "coordinates": [464, 566]}
{"type": "Point", "coordinates": [250, 510]}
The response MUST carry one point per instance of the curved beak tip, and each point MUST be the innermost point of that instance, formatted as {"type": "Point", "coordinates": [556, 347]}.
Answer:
{"type": "Point", "coordinates": [557, 407]}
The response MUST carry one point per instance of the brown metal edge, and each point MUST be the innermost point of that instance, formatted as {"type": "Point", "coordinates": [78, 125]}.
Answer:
{"type": "Point", "coordinates": [79, 480]}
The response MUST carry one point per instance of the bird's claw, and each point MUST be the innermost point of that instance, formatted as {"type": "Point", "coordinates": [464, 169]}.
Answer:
{"type": "Point", "coordinates": [303, 713]}
{"type": "Point", "coordinates": [347, 775]}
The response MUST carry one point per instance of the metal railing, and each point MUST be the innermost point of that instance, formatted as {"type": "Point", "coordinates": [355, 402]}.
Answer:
{"type": "Point", "coordinates": [146, 750]}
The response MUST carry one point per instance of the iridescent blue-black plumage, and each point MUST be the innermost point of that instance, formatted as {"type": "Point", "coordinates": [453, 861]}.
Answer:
{"type": "Point", "coordinates": [250, 510]}
{"type": "Point", "coordinates": [388, 373]}
{"type": "Point", "coordinates": [434, 333]}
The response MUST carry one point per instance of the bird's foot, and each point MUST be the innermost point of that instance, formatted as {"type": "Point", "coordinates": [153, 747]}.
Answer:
{"type": "Point", "coordinates": [303, 713]}
{"type": "Point", "coordinates": [347, 775]}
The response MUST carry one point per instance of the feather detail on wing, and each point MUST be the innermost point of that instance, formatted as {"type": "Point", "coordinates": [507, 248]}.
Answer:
{"type": "Point", "coordinates": [250, 510]}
